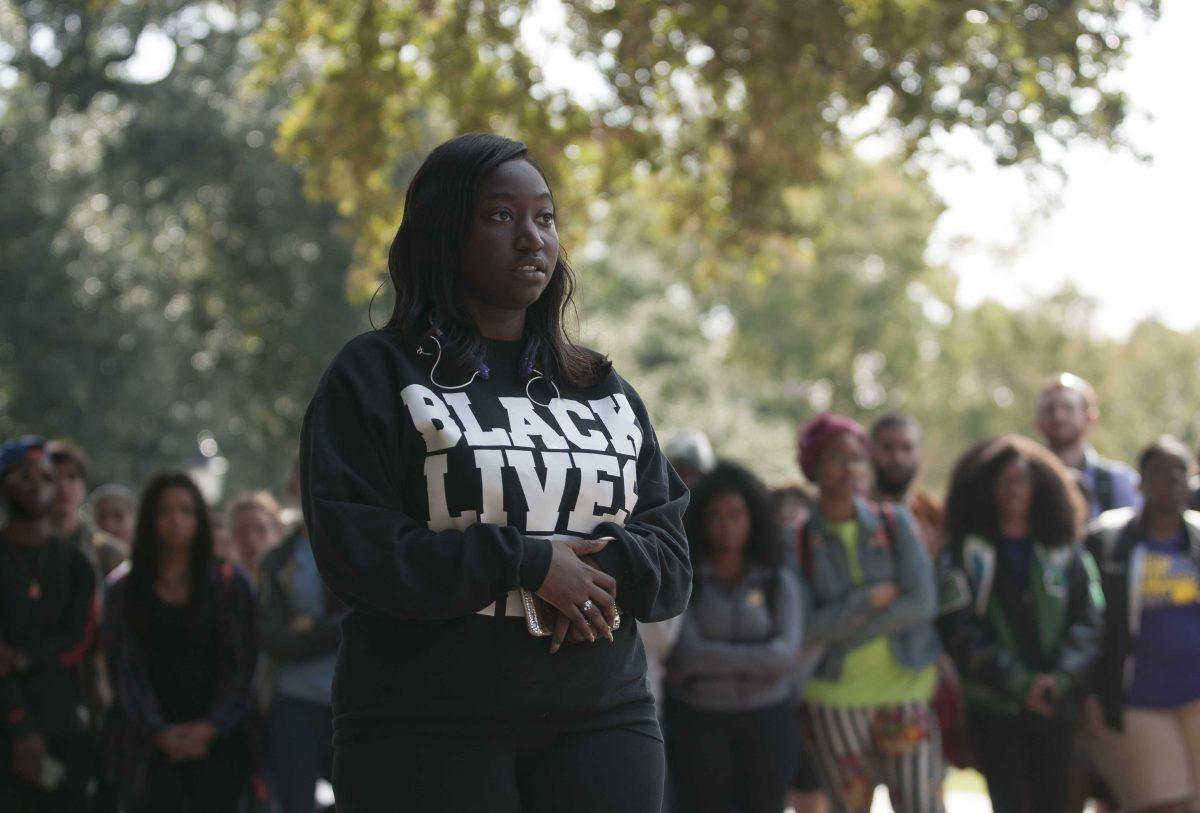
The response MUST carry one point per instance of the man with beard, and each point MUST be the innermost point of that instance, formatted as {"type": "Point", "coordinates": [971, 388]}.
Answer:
{"type": "Point", "coordinates": [1067, 409]}
{"type": "Point", "coordinates": [47, 625]}
{"type": "Point", "coordinates": [896, 459]}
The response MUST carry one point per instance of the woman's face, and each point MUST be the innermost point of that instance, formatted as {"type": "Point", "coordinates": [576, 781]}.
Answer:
{"type": "Point", "coordinates": [513, 245]}
{"type": "Point", "coordinates": [727, 524]}
{"type": "Point", "coordinates": [1165, 483]}
{"type": "Point", "coordinates": [1014, 490]}
{"type": "Point", "coordinates": [843, 469]}
{"type": "Point", "coordinates": [253, 531]}
{"type": "Point", "coordinates": [176, 520]}
{"type": "Point", "coordinates": [115, 516]}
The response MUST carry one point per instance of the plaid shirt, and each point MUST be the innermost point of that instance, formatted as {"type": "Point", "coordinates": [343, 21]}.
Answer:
{"type": "Point", "coordinates": [136, 718]}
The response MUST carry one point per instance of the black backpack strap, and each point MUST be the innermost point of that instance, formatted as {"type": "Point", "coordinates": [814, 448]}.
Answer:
{"type": "Point", "coordinates": [1105, 488]}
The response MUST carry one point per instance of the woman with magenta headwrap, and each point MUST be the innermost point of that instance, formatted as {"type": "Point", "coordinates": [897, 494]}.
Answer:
{"type": "Point", "coordinates": [871, 601]}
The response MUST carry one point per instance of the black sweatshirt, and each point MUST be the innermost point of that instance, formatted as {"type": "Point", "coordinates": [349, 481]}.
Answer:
{"type": "Point", "coordinates": [427, 505]}
{"type": "Point", "coordinates": [54, 626]}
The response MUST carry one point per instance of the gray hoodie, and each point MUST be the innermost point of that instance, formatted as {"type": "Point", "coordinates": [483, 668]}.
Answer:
{"type": "Point", "coordinates": [738, 645]}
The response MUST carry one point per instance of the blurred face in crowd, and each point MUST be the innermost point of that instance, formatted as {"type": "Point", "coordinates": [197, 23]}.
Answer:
{"type": "Point", "coordinates": [689, 474]}
{"type": "Point", "coordinates": [252, 532]}
{"type": "Point", "coordinates": [727, 524]}
{"type": "Point", "coordinates": [793, 511]}
{"type": "Point", "coordinates": [896, 457]}
{"type": "Point", "coordinates": [842, 472]}
{"type": "Point", "coordinates": [176, 522]}
{"type": "Point", "coordinates": [1165, 484]}
{"type": "Point", "coordinates": [1063, 417]}
{"type": "Point", "coordinates": [1014, 490]}
{"type": "Point", "coordinates": [115, 515]}
{"type": "Point", "coordinates": [70, 489]}
{"type": "Point", "coordinates": [29, 489]}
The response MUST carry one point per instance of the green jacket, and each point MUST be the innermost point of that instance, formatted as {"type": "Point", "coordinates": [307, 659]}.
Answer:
{"type": "Point", "coordinates": [1002, 631]}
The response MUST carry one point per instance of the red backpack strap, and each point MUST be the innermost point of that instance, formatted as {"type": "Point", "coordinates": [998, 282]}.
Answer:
{"type": "Point", "coordinates": [887, 520]}
{"type": "Point", "coordinates": [804, 548]}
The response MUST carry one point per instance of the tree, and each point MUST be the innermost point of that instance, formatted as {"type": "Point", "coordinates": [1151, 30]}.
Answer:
{"type": "Point", "coordinates": [732, 105]}
{"type": "Point", "coordinates": [176, 280]}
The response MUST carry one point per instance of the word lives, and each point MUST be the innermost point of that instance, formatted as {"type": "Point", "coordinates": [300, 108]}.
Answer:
{"type": "Point", "coordinates": [575, 471]}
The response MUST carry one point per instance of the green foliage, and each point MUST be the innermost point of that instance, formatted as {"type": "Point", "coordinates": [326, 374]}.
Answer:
{"type": "Point", "coordinates": [729, 105]}
{"type": "Point", "coordinates": [164, 270]}
{"type": "Point", "coordinates": [161, 274]}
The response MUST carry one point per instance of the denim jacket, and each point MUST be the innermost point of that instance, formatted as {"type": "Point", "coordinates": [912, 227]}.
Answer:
{"type": "Point", "coordinates": [839, 616]}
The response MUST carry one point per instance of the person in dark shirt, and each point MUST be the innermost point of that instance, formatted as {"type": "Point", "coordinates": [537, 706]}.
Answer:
{"type": "Point", "coordinates": [180, 638]}
{"type": "Point", "coordinates": [1022, 617]}
{"type": "Point", "coordinates": [1145, 718]}
{"type": "Point", "coordinates": [467, 471]}
{"type": "Point", "coordinates": [47, 624]}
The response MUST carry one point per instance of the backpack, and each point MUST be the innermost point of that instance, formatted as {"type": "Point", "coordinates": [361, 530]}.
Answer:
{"type": "Point", "coordinates": [886, 512]}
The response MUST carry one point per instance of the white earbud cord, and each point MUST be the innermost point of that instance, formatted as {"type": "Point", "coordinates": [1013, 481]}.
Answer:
{"type": "Point", "coordinates": [421, 351]}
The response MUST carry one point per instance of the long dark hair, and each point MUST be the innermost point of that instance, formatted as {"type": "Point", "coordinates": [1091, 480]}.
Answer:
{"type": "Point", "coordinates": [1057, 511]}
{"type": "Point", "coordinates": [146, 556]}
{"type": "Point", "coordinates": [424, 257]}
{"type": "Point", "coordinates": [765, 546]}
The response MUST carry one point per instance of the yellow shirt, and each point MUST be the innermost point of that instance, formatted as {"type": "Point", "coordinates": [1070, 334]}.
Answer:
{"type": "Point", "coordinates": [871, 675]}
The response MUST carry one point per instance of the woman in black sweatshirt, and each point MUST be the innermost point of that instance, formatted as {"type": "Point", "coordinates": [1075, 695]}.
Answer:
{"type": "Point", "coordinates": [462, 469]}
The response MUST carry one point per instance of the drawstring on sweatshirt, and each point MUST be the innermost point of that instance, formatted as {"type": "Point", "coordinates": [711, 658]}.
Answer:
{"type": "Point", "coordinates": [527, 369]}
{"type": "Point", "coordinates": [483, 370]}
{"type": "Point", "coordinates": [557, 394]}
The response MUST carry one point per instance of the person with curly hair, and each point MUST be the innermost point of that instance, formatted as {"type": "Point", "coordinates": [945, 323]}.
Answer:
{"type": "Point", "coordinates": [1021, 617]}
{"type": "Point", "coordinates": [733, 743]}
{"type": "Point", "coordinates": [872, 599]}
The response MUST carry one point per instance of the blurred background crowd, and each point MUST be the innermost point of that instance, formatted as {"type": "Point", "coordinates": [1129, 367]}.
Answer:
{"type": "Point", "coordinates": [848, 631]}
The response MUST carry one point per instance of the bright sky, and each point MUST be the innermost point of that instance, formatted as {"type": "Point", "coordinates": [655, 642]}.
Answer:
{"type": "Point", "coordinates": [1124, 231]}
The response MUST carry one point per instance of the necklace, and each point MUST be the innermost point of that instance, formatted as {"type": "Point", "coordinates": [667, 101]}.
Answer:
{"type": "Point", "coordinates": [35, 572]}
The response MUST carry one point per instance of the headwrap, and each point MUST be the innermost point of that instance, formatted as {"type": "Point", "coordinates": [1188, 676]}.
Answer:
{"type": "Point", "coordinates": [817, 434]}
{"type": "Point", "coordinates": [16, 450]}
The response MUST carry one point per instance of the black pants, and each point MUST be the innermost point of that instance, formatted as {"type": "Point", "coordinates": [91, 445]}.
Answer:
{"type": "Point", "coordinates": [300, 735]}
{"type": "Point", "coordinates": [215, 784]}
{"type": "Point", "coordinates": [726, 761]}
{"type": "Point", "coordinates": [1025, 758]}
{"type": "Point", "coordinates": [612, 769]}
{"type": "Point", "coordinates": [75, 751]}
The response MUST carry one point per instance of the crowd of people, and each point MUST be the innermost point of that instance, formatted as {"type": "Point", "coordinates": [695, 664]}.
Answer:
{"type": "Point", "coordinates": [1041, 625]}
{"type": "Point", "coordinates": [852, 631]}
{"type": "Point", "coordinates": [156, 655]}
{"type": "Point", "coordinates": [528, 614]}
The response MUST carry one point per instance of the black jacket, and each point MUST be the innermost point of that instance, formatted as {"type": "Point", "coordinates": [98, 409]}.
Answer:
{"type": "Point", "coordinates": [1113, 540]}
{"type": "Point", "coordinates": [427, 505]}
